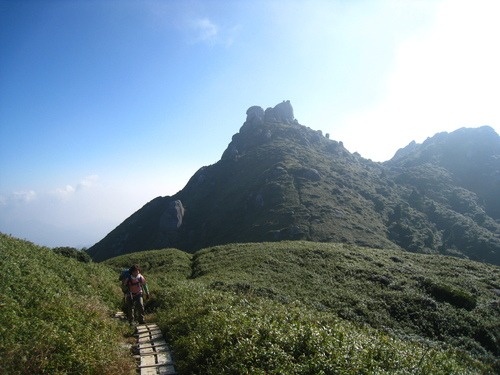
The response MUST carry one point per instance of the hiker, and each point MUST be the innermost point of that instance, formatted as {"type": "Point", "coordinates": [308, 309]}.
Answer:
{"type": "Point", "coordinates": [134, 285]}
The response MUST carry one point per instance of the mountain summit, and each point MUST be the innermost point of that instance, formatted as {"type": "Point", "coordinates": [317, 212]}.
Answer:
{"type": "Point", "coordinates": [279, 180]}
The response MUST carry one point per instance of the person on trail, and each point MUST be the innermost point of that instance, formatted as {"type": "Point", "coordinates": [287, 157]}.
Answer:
{"type": "Point", "coordinates": [134, 286]}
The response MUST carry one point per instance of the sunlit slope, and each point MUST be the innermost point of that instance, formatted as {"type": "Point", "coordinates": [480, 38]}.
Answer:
{"type": "Point", "coordinates": [55, 314]}
{"type": "Point", "coordinates": [231, 299]}
{"type": "Point", "coordinates": [437, 297]}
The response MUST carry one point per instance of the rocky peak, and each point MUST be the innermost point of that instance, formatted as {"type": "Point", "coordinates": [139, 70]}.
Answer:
{"type": "Point", "coordinates": [282, 112]}
{"type": "Point", "coordinates": [259, 127]}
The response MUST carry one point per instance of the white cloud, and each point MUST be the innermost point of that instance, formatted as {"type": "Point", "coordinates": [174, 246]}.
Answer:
{"type": "Point", "coordinates": [67, 192]}
{"type": "Point", "coordinates": [88, 182]}
{"type": "Point", "coordinates": [16, 197]}
{"type": "Point", "coordinates": [64, 193]}
{"type": "Point", "coordinates": [204, 30]}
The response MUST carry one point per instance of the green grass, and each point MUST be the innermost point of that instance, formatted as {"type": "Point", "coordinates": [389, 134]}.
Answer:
{"type": "Point", "coordinates": [281, 308]}
{"type": "Point", "coordinates": [55, 314]}
{"type": "Point", "coordinates": [214, 332]}
{"type": "Point", "coordinates": [386, 289]}
{"type": "Point", "coordinates": [263, 308]}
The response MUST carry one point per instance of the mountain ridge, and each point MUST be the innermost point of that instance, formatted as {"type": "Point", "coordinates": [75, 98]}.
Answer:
{"type": "Point", "coordinates": [280, 180]}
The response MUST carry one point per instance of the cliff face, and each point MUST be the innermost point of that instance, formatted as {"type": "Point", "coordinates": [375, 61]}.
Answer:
{"type": "Point", "coordinates": [279, 180]}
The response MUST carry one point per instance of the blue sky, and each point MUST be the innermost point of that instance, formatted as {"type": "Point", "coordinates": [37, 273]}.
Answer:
{"type": "Point", "coordinates": [105, 105]}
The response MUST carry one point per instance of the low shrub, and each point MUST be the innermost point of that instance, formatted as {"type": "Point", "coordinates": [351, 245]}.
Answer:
{"type": "Point", "coordinates": [71, 252]}
{"type": "Point", "coordinates": [446, 293]}
{"type": "Point", "coordinates": [214, 332]}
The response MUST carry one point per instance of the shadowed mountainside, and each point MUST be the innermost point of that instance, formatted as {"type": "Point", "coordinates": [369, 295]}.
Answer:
{"type": "Point", "coordinates": [279, 180]}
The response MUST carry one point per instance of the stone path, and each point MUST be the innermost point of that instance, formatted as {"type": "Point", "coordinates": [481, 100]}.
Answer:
{"type": "Point", "coordinates": [153, 354]}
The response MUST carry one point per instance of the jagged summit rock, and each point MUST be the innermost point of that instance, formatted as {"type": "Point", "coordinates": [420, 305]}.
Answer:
{"type": "Point", "coordinates": [282, 112]}
{"type": "Point", "coordinates": [255, 113]}
{"type": "Point", "coordinates": [280, 180]}
{"type": "Point", "coordinates": [260, 127]}
{"type": "Point", "coordinates": [267, 126]}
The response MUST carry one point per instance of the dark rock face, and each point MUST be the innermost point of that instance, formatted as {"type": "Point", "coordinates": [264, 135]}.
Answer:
{"type": "Point", "coordinates": [279, 180]}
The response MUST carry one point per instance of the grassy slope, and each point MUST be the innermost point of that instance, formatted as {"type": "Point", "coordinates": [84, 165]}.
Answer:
{"type": "Point", "coordinates": [441, 298]}
{"type": "Point", "coordinates": [301, 307]}
{"type": "Point", "coordinates": [289, 307]}
{"type": "Point", "coordinates": [55, 314]}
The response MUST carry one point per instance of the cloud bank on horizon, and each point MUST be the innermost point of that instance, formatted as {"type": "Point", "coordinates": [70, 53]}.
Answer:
{"type": "Point", "coordinates": [106, 105]}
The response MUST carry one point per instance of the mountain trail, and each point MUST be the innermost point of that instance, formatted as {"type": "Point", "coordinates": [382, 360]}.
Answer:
{"type": "Point", "coordinates": [151, 350]}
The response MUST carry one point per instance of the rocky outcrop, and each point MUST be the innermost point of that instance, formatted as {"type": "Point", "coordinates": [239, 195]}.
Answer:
{"type": "Point", "coordinates": [255, 114]}
{"type": "Point", "coordinates": [171, 219]}
{"type": "Point", "coordinates": [282, 112]}
{"type": "Point", "coordinates": [309, 174]}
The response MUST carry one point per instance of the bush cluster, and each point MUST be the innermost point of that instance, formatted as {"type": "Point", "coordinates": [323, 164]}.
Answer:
{"type": "Point", "coordinates": [214, 332]}
{"type": "Point", "coordinates": [446, 293]}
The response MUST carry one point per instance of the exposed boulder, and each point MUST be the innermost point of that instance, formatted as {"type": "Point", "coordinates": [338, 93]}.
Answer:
{"type": "Point", "coordinates": [255, 113]}
{"type": "Point", "coordinates": [171, 219]}
{"type": "Point", "coordinates": [309, 174]}
{"type": "Point", "coordinates": [284, 111]}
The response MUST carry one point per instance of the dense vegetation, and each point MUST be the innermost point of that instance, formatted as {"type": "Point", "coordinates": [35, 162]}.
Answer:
{"type": "Point", "coordinates": [71, 252]}
{"type": "Point", "coordinates": [55, 314]}
{"type": "Point", "coordinates": [311, 308]}
{"type": "Point", "coordinates": [264, 308]}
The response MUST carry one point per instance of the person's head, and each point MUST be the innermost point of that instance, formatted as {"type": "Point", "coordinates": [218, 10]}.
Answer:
{"type": "Point", "coordinates": [134, 270]}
